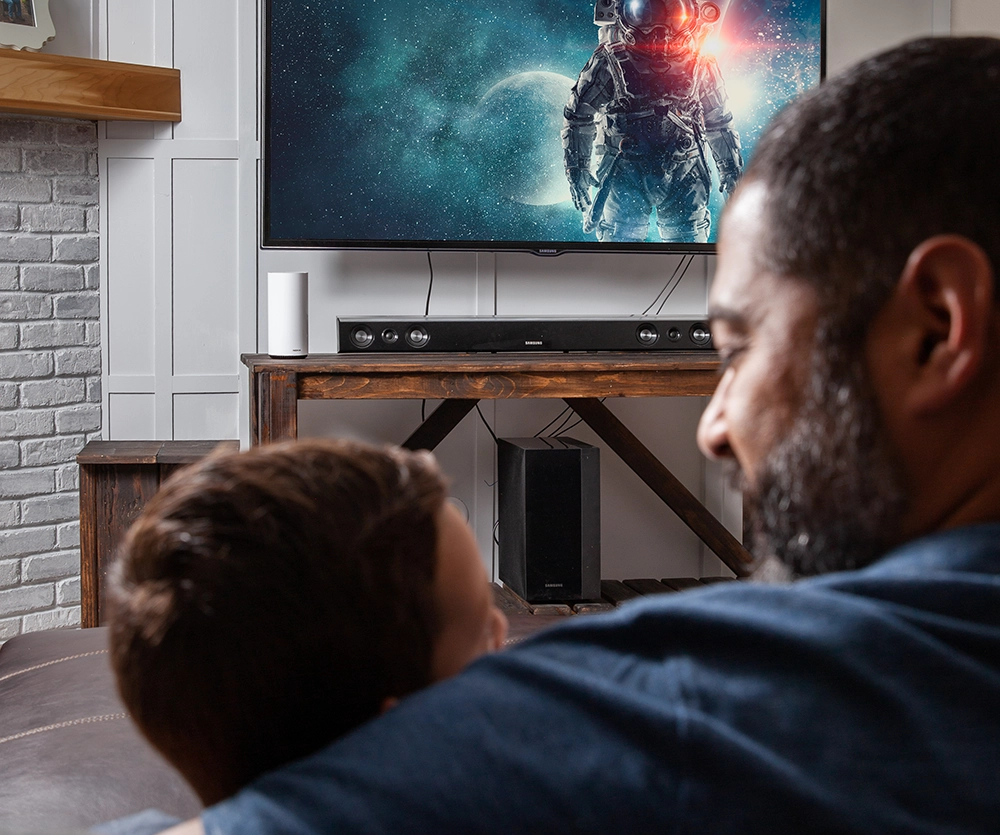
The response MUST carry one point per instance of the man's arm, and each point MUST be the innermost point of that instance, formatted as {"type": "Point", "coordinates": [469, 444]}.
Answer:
{"type": "Point", "coordinates": [723, 138]}
{"type": "Point", "coordinates": [589, 94]}
{"type": "Point", "coordinates": [536, 739]}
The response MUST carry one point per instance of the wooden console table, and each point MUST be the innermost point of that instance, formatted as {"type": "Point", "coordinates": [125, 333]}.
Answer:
{"type": "Point", "coordinates": [462, 380]}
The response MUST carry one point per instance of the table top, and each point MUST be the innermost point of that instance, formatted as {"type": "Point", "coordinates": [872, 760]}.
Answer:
{"type": "Point", "coordinates": [437, 363]}
{"type": "Point", "coordinates": [491, 376]}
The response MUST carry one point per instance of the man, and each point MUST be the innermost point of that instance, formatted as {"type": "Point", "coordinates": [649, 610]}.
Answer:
{"type": "Point", "coordinates": [855, 308]}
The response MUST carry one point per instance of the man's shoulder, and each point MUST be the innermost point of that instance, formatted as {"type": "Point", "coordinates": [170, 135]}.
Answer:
{"type": "Point", "coordinates": [730, 704]}
{"type": "Point", "coordinates": [953, 575]}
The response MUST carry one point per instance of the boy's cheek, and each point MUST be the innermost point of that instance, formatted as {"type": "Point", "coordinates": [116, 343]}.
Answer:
{"type": "Point", "coordinates": [498, 629]}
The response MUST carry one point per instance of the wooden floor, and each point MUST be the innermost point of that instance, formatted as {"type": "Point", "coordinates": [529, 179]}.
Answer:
{"type": "Point", "coordinates": [613, 593]}
{"type": "Point", "coordinates": [526, 619]}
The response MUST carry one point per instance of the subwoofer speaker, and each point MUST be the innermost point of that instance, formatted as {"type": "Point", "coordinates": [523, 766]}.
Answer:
{"type": "Point", "coordinates": [549, 497]}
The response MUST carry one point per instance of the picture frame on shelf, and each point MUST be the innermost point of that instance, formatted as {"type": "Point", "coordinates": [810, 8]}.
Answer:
{"type": "Point", "coordinates": [25, 24]}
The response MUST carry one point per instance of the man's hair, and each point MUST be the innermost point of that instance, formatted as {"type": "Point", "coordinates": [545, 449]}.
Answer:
{"type": "Point", "coordinates": [266, 602]}
{"type": "Point", "coordinates": [856, 175]}
{"type": "Point", "coordinates": [860, 171]}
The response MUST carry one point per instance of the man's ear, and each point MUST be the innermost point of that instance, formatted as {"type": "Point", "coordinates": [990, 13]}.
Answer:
{"type": "Point", "coordinates": [388, 703]}
{"type": "Point", "coordinates": [946, 292]}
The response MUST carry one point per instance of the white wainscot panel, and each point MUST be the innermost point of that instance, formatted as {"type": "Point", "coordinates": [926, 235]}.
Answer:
{"type": "Point", "coordinates": [131, 417]}
{"type": "Point", "coordinates": [205, 267]}
{"type": "Point", "coordinates": [205, 51]}
{"type": "Point", "coordinates": [131, 130]}
{"type": "Point", "coordinates": [200, 417]}
{"type": "Point", "coordinates": [132, 31]}
{"type": "Point", "coordinates": [129, 267]}
{"type": "Point", "coordinates": [976, 17]}
{"type": "Point", "coordinates": [74, 24]}
{"type": "Point", "coordinates": [594, 284]}
{"type": "Point", "coordinates": [857, 29]}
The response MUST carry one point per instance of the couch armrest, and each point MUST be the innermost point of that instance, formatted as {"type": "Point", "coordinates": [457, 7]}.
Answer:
{"type": "Point", "coordinates": [69, 755]}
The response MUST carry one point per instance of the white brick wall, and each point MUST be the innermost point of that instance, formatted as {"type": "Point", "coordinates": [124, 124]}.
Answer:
{"type": "Point", "coordinates": [50, 362]}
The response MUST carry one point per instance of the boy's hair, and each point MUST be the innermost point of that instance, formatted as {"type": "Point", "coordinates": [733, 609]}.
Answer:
{"type": "Point", "coordinates": [268, 601]}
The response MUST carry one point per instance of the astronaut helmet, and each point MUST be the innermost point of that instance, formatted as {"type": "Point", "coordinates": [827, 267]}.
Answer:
{"type": "Point", "coordinates": [669, 25]}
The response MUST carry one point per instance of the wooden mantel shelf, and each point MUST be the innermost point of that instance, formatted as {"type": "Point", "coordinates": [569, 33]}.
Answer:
{"type": "Point", "coordinates": [85, 88]}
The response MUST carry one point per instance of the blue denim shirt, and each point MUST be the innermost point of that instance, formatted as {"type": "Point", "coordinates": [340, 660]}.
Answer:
{"type": "Point", "coordinates": [864, 701]}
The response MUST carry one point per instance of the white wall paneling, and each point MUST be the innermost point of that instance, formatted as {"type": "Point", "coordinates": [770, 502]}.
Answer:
{"type": "Point", "coordinates": [198, 415]}
{"type": "Point", "coordinates": [205, 45]}
{"type": "Point", "coordinates": [130, 417]}
{"type": "Point", "coordinates": [205, 207]}
{"type": "Point", "coordinates": [128, 265]}
{"type": "Point", "coordinates": [976, 17]}
{"type": "Point", "coordinates": [76, 23]}
{"type": "Point", "coordinates": [173, 261]}
{"type": "Point", "coordinates": [857, 29]}
{"type": "Point", "coordinates": [130, 32]}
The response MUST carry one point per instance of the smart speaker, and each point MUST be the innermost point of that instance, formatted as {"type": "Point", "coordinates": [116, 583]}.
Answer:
{"type": "Point", "coordinates": [287, 314]}
{"type": "Point", "coordinates": [549, 503]}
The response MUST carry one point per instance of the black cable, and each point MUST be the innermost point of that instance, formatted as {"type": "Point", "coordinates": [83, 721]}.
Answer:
{"type": "Point", "coordinates": [677, 269]}
{"type": "Point", "coordinates": [690, 261]}
{"type": "Point", "coordinates": [562, 432]}
{"type": "Point", "coordinates": [423, 410]}
{"type": "Point", "coordinates": [430, 286]}
{"type": "Point", "coordinates": [562, 426]}
{"type": "Point", "coordinates": [557, 418]}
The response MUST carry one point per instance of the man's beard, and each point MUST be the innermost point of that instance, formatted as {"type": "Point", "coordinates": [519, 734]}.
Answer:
{"type": "Point", "coordinates": [830, 496]}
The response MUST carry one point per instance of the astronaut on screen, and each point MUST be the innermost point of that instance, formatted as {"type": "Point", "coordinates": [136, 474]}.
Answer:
{"type": "Point", "coordinates": [656, 105]}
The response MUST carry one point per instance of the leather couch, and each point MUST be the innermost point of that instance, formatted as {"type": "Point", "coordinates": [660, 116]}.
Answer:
{"type": "Point", "coordinates": [70, 757]}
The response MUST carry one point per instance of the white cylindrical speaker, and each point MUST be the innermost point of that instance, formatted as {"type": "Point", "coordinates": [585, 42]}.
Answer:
{"type": "Point", "coordinates": [287, 314]}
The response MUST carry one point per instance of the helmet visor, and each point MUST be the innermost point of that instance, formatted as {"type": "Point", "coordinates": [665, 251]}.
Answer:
{"type": "Point", "coordinates": [675, 15]}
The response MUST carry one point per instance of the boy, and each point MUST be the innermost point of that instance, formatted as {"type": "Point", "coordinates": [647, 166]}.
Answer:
{"type": "Point", "coordinates": [269, 601]}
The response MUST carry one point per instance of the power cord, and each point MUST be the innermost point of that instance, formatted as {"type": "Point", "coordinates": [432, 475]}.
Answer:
{"type": "Point", "coordinates": [672, 283]}
{"type": "Point", "coordinates": [430, 285]}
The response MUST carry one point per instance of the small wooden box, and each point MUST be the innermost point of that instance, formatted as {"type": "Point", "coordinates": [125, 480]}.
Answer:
{"type": "Point", "coordinates": [117, 478]}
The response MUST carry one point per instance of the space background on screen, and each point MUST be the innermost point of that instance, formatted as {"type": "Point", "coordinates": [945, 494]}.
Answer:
{"type": "Point", "coordinates": [395, 123]}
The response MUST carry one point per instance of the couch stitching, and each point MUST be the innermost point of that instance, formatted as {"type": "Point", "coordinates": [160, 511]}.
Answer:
{"type": "Point", "coordinates": [86, 721]}
{"type": "Point", "coordinates": [50, 663]}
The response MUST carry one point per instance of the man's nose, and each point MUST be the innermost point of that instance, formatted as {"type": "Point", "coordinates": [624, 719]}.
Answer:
{"type": "Point", "coordinates": [713, 428]}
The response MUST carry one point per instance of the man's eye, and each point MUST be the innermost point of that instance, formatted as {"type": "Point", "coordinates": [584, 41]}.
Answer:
{"type": "Point", "coordinates": [727, 355]}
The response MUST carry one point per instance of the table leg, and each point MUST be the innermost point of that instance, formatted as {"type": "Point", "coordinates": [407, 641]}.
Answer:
{"type": "Point", "coordinates": [662, 482]}
{"type": "Point", "coordinates": [274, 406]}
{"type": "Point", "coordinates": [436, 428]}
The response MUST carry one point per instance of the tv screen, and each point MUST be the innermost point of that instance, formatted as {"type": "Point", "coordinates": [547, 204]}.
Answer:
{"type": "Point", "coordinates": [603, 125]}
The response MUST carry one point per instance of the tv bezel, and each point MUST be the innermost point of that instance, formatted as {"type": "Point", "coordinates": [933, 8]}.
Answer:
{"type": "Point", "coordinates": [553, 248]}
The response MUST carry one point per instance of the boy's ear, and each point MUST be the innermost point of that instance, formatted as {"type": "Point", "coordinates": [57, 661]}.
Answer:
{"type": "Point", "coordinates": [388, 703]}
{"type": "Point", "coordinates": [944, 305]}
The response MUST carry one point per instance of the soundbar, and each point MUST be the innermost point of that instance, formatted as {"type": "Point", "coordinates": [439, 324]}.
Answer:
{"type": "Point", "coordinates": [503, 333]}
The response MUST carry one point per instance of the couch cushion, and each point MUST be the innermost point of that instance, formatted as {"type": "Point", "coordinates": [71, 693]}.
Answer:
{"type": "Point", "coordinates": [69, 754]}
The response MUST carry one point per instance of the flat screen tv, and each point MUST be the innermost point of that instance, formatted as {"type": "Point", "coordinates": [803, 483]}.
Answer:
{"type": "Point", "coordinates": [538, 125]}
